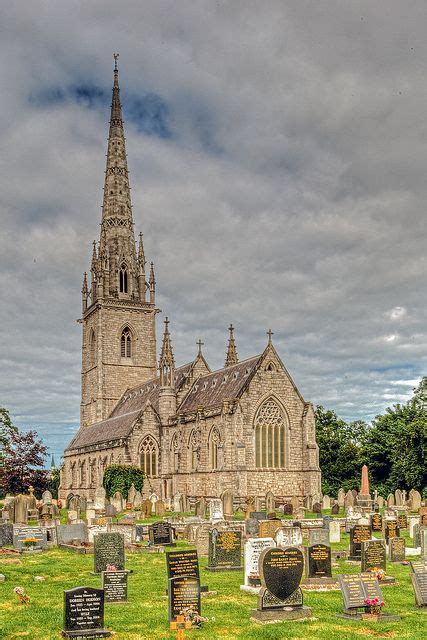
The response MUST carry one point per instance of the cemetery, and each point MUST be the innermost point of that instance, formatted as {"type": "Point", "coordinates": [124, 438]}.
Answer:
{"type": "Point", "coordinates": [97, 569]}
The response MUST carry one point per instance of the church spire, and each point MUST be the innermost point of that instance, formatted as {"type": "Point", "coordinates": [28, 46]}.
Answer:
{"type": "Point", "coordinates": [167, 360]}
{"type": "Point", "coordinates": [231, 357]}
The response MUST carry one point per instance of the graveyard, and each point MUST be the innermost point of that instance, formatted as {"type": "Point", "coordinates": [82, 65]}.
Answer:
{"type": "Point", "coordinates": [311, 568]}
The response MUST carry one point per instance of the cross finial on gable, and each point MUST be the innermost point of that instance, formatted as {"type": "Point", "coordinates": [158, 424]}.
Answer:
{"type": "Point", "coordinates": [200, 345]}
{"type": "Point", "coordinates": [270, 334]}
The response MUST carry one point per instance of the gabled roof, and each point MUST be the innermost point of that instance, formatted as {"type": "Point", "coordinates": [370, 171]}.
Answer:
{"type": "Point", "coordinates": [227, 383]}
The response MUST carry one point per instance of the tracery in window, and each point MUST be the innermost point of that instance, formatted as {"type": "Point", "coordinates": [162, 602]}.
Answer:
{"type": "Point", "coordinates": [92, 348]}
{"type": "Point", "coordinates": [149, 456]}
{"type": "Point", "coordinates": [270, 436]}
{"type": "Point", "coordinates": [214, 442]}
{"type": "Point", "coordinates": [123, 278]}
{"type": "Point", "coordinates": [126, 343]}
{"type": "Point", "coordinates": [194, 446]}
{"type": "Point", "coordinates": [175, 454]}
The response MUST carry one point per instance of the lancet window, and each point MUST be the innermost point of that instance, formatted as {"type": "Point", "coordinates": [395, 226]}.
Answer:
{"type": "Point", "coordinates": [149, 456]}
{"type": "Point", "coordinates": [270, 436]}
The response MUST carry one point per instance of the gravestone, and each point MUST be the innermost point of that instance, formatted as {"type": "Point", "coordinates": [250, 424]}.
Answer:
{"type": "Point", "coordinates": [183, 593]}
{"type": "Point", "coordinates": [419, 566]}
{"type": "Point", "coordinates": [270, 502]}
{"type": "Point", "coordinates": [317, 508]}
{"type": "Point", "coordinates": [201, 507]}
{"type": "Point", "coordinates": [252, 527]}
{"type": "Point", "coordinates": [47, 497]}
{"type": "Point", "coordinates": [139, 533]}
{"type": "Point", "coordinates": [287, 508]}
{"type": "Point", "coordinates": [326, 502]}
{"type": "Point", "coordinates": [398, 497]}
{"type": "Point", "coordinates": [160, 533]}
{"type": "Point", "coordinates": [423, 541]}
{"type": "Point", "coordinates": [376, 522]}
{"type": "Point", "coordinates": [6, 534]}
{"type": "Point", "coordinates": [182, 563]}
{"type": "Point", "coordinates": [160, 509]}
{"type": "Point", "coordinates": [68, 533]}
{"type": "Point", "coordinates": [318, 536]}
{"type": "Point", "coordinates": [396, 549]}
{"type": "Point", "coordinates": [390, 500]}
{"type": "Point", "coordinates": [417, 535]}
{"type": "Point", "coordinates": [341, 498]}
{"type": "Point", "coordinates": [402, 521]}
{"type": "Point", "coordinates": [215, 510]}
{"type": "Point", "coordinates": [249, 506]}
{"type": "Point", "coordinates": [115, 585]}
{"type": "Point", "coordinates": [415, 499]}
{"type": "Point", "coordinates": [110, 511]}
{"type": "Point", "coordinates": [258, 515]}
{"type": "Point", "coordinates": [225, 548]}
{"type": "Point", "coordinates": [109, 549]}
{"type": "Point", "coordinates": [334, 531]}
{"type": "Point", "coordinates": [268, 528]}
{"type": "Point", "coordinates": [146, 508]}
{"type": "Point", "coordinates": [20, 535]}
{"type": "Point", "coordinates": [117, 501]}
{"type": "Point", "coordinates": [99, 501]}
{"type": "Point", "coordinates": [288, 537]}
{"type": "Point", "coordinates": [227, 504]}
{"type": "Point", "coordinates": [131, 494]}
{"type": "Point", "coordinates": [127, 531]}
{"type": "Point", "coordinates": [356, 587]}
{"type": "Point", "coordinates": [137, 501]}
{"type": "Point", "coordinates": [280, 597]}
{"type": "Point", "coordinates": [84, 613]}
{"type": "Point", "coordinates": [391, 529]}
{"type": "Point", "coordinates": [335, 509]}
{"type": "Point", "coordinates": [412, 521]}
{"type": "Point", "coordinates": [253, 549]}
{"type": "Point", "coordinates": [349, 500]}
{"type": "Point", "coordinates": [178, 503]}
{"type": "Point", "coordinates": [202, 539]}
{"type": "Point", "coordinates": [318, 563]}
{"type": "Point", "coordinates": [358, 534]}
{"type": "Point", "coordinates": [373, 555]}
{"type": "Point", "coordinates": [419, 584]}
{"type": "Point", "coordinates": [21, 509]}
{"type": "Point", "coordinates": [380, 502]}
{"type": "Point", "coordinates": [94, 530]}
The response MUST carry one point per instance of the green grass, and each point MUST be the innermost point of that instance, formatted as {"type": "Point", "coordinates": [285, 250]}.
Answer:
{"type": "Point", "coordinates": [145, 614]}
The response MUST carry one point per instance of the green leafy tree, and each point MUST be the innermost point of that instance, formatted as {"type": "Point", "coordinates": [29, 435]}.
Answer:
{"type": "Point", "coordinates": [339, 450]}
{"type": "Point", "coordinates": [54, 481]}
{"type": "Point", "coordinates": [7, 428]}
{"type": "Point", "coordinates": [119, 477]}
{"type": "Point", "coordinates": [395, 447]}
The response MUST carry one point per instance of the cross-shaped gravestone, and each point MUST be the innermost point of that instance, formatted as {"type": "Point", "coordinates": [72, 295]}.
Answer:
{"type": "Point", "coordinates": [180, 625]}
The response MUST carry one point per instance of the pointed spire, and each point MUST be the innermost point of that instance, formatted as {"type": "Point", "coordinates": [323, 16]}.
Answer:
{"type": "Point", "coordinates": [152, 284]}
{"type": "Point", "coordinates": [231, 357]}
{"type": "Point", "coordinates": [84, 292]}
{"type": "Point", "coordinates": [52, 462]}
{"type": "Point", "coordinates": [167, 360]}
{"type": "Point", "coordinates": [94, 256]}
{"type": "Point", "coordinates": [141, 255]}
{"type": "Point", "coordinates": [84, 287]}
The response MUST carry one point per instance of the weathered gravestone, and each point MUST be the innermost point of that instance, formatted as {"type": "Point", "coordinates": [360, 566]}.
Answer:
{"type": "Point", "coordinates": [335, 509]}
{"type": "Point", "coordinates": [227, 504]}
{"type": "Point", "coordinates": [201, 507]}
{"type": "Point", "coordinates": [115, 585]}
{"type": "Point", "coordinates": [317, 507]}
{"type": "Point", "coordinates": [146, 508]}
{"type": "Point", "coordinates": [84, 613]}
{"type": "Point", "coordinates": [334, 531]}
{"type": "Point", "coordinates": [288, 509]}
{"type": "Point", "coordinates": [402, 521]}
{"type": "Point", "coordinates": [373, 555]}
{"type": "Point", "coordinates": [215, 510]}
{"type": "Point", "coordinates": [318, 536]}
{"type": "Point", "coordinates": [161, 533]}
{"type": "Point", "coordinates": [109, 549]}
{"type": "Point", "coordinates": [341, 498]}
{"type": "Point", "coordinates": [202, 539]}
{"type": "Point", "coordinates": [391, 529]}
{"type": "Point", "coordinates": [70, 533]}
{"type": "Point", "coordinates": [326, 502]}
{"type": "Point", "coordinates": [268, 528]}
{"type": "Point", "coordinates": [419, 584]}
{"type": "Point", "coordinates": [280, 597]}
{"type": "Point", "coordinates": [253, 549]}
{"type": "Point", "coordinates": [423, 541]}
{"type": "Point", "coordinates": [252, 527]}
{"type": "Point", "coordinates": [225, 549]}
{"type": "Point", "coordinates": [289, 537]}
{"type": "Point", "coordinates": [139, 533]}
{"type": "Point", "coordinates": [376, 522]}
{"type": "Point", "coordinates": [160, 509]}
{"type": "Point", "coordinates": [396, 549]}
{"type": "Point", "coordinates": [128, 532]}
{"type": "Point", "coordinates": [258, 515]}
{"type": "Point", "coordinates": [318, 564]}
{"type": "Point", "coordinates": [415, 498]}
{"type": "Point", "coordinates": [270, 502]}
{"type": "Point", "coordinates": [110, 511]}
{"type": "Point", "coordinates": [356, 588]}
{"type": "Point", "coordinates": [6, 534]}
{"type": "Point", "coordinates": [358, 534]}
{"type": "Point", "coordinates": [100, 497]}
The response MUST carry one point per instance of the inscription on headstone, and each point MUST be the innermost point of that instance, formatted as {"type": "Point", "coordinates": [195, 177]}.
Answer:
{"type": "Point", "coordinates": [115, 585]}
{"type": "Point", "coordinates": [253, 549]}
{"type": "Point", "coordinates": [184, 593]}
{"type": "Point", "coordinates": [373, 555]}
{"type": "Point", "coordinates": [161, 533]}
{"type": "Point", "coordinates": [376, 522]}
{"type": "Point", "coordinates": [419, 584]}
{"type": "Point", "coordinates": [224, 550]}
{"type": "Point", "coordinates": [84, 613]}
{"type": "Point", "coordinates": [358, 534]}
{"type": "Point", "coordinates": [182, 563]}
{"type": "Point", "coordinates": [319, 561]}
{"type": "Point", "coordinates": [396, 549]}
{"type": "Point", "coordinates": [109, 549]}
{"type": "Point", "coordinates": [391, 529]}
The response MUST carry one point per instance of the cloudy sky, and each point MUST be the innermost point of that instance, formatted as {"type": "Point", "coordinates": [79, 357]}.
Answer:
{"type": "Point", "coordinates": [277, 154]}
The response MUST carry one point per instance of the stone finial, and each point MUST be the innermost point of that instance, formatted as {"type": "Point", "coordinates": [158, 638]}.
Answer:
{"type": "Point", "coordinates": [270, 334]}
{"type": "Point", "coordinates": [167, 360]}
{"type": "Point", "coordinates": [364, 485]}
{"type": "Point", "coordinates": [231, 357]}
{"type": "Point", "coordinates": [200, 344]}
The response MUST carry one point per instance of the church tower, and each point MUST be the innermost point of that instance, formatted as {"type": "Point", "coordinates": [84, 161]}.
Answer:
{"type": "Point", "coordinates": [119, 310]}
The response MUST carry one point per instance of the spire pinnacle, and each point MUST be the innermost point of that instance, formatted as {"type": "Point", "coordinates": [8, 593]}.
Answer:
{"type": "Point", "coordinates": [231, 357]}
{"type": "Point", "coordinates": [115, 56]}
{"type": "Point", "coordinates": [84, 287]}
{"type": "Point", "coordinates": [167, 360]}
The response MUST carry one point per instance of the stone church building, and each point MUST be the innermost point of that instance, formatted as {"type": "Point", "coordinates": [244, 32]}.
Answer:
{"type": "Point", "coordinates": [244, 429]}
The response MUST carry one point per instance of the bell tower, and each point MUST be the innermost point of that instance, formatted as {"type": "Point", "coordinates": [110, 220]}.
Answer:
{"type": "Point", "coordinates": [119, 309]}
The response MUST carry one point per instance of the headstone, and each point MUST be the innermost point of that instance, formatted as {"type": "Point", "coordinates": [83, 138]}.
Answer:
{"type": "Point", "coordinates": [252, 527]}
{"type": "Point", "coordinates": [289, 537]}
{"type": "Point", "coordinates": [137, 501]}
{"type": "Point", "coordinates": [288, 509]}
{"type": "Point", "coordinates": [68, 533]}
{"type": "Point", "coordinates": [109, 549]}
{"type": "Point", "coordinates": [117, 501]}
{"type": "Point", "coordinates": [390, 500]}
{"type": "Point", "coordinates": [183, 593]}
{"type": "Point", "coordinates": [349, 500]}
{"type": "Point", "coordinates": [99, 501]}
{"type": "Point", "coordinates": [72, 516]}
{"type": "Point", "coordinates": [398, 498]}
{"type": "Point", "coordinates": [391, 529]}
{"type": "Point", "coordinates": [412, 521]}
{"type": "Point", "coordinates": [258, 515]}
{"type": "Point", "coordinates": [47, 497]}
{"type": "Point", "coordinates": [334, 531]}
{"type": "Point", "coordinates": [23, 535]}
{"type": "Point", "coordinates": [177, 503]}
{"type": "Point", "coordinates": [356, 588]}
{"type": "Point", "coordinates": [280, 596]}
{"type": "Point", "coordinates": [373, 555]}
{"type": "Point", "coordinates": [6, 534]}
{"type": "Point", "coordinates": [227, 504]}
{"type": "Point", "coordinates": [21, 509]}
{"type": "Point", "coordinates": [396, 549]}
{"type": "Point", "coordinates": [182, 563]}
{"type": "Point", "coordinates": [417, 535]}
{"type": "Point", "coordinates": [358, 534]}
{"type": "Point", "coordinates": [146, 508]}
{"type": "Point", "coordinates": [249, 506]}
{"type": "Point", "coordinates": [270, 502]}
{"type": "Point", "coordinates": [319, 561]}
{"type": "Point", "coordinates": [127, 531]}
{"type": "Point", "coordinates": [160, 533]}
{"type": "Point", "coordinates": [419, 566]}
{"type": "Point", "coordinates": [225, 549]}
{"type": "Point", "coordinates": [84, 613]}
{"type": "Point", "coordinates": [201, 507]}
{"type": "Point", "coordinates": [326, 502]}
{"type": "Point", "coordinates": [335, 509]}
{"type": "Point", "coordinates": [215, 510]}
{"type": "Point", "coordinates": [318, 536]}
{"type": "Point", "coordinates": [110, 511]}
{"type": "Point", "coordinates": [94, 530]}
{"type": "Point", "coordinates": [268, 528]}
{"type": "Point", "coordinates": [317, 507]}
{"type": "Point", "coordinates": [402, 521]}
{"type": "Point", "coordinates": [341, 498]}
{"type": "Point", "coordinates": [202, 539]}
{"type": "Point", "coordinates": [139, 533]}
{"type": "Point", "coordinates": [376, 522]}
{"type": "Point", "coordinates": [160, 509]}
{"type": "Point", "coordinates": [131, 494]}
{"type": "Point", "coordinates": [419, 584]}
{"type": "Point", "coordinates": [415, 499]}
{"type": "Point", "coordinates": [423, 541]}
{"type": "Point", "coordinates": [253, 549]}
{"type": "Point", "coordinates": [115, 585]}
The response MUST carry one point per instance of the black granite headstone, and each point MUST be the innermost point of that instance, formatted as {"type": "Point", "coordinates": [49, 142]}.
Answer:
{"type": "Point", "coordinates": [373, 555]}
{"type": "Point", "coordinates": [391, 529]}
{"type": "Point", "coordinates": [183, 593]}
{"type": "Point", "coordinates": [396, 549]}
{"type": "Point", "coordinates": [319, 561]}
{"type": "Point", "coordinates": [84, 613]}
{"type": "Point", "coordinates": [115, 585]}
{"type": "Point", "coordinates": [161, 533]}
{"type": "Point", "coordinates": [377, 522]}
{"type": "Point", "coordinates": [281, 570]}
{"type": "Point", "coordinates": [182, 563]}
{"type": "Point", "coordinates": [109, 549]}
{"type": "Point", "coordinates": [225, 550]}
{"type": "Point", "coordinates": [358, 534]}
{"type": "Point", "coordinates": [419, 584]}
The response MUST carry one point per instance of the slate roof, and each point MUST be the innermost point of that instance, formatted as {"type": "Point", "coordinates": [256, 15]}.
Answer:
{"type": "Point", "coordinates": [210, 390]}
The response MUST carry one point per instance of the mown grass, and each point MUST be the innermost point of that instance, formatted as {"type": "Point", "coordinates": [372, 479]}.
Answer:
{"type": "Point", "coordinates": [144, 616]}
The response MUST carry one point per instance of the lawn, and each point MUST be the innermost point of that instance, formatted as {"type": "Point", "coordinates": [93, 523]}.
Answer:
{"type": "Point", "coordinates": [145, 614]}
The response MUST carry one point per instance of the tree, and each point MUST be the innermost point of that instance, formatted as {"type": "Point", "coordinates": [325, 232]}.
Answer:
{"type": "Point", "coordinates": [23, 461]}
{"type": "Point", "coordinates": [7, 428]}
{"type": "Point", "coordinates": [339, 450]}
{"type": "Point", "coordinates": [118, 477]}
{"type": "Point", "coordinates": [395, 446]}
{"type": "Point", "coordinates": [54, 481]}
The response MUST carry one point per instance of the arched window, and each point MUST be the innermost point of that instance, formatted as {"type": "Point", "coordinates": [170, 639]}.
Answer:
{"type": "Point", "coordinates": [175, 454]}
{"type": "Point", "coordinates": [123, 276]}
{"type": "Point", "coordinates": [126, 343]}
{"type": "Point", "coordinates": [149, 456]}
{"type": "Point", "coordinates": [270, 437]}
{"type": "Point", "coordinates": [214, 442]}
{"type": "Point", "coordinates": [92, 348]}
{"type": "Point", "coordinates": [194, 447]}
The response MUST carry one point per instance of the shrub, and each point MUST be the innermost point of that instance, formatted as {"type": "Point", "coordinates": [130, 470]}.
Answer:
{"type": "Point", "coordinates": [120, 477]}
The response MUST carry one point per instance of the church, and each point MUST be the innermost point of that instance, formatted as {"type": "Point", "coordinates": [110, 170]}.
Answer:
{"type": "Point", "coordinates": [244, 429]}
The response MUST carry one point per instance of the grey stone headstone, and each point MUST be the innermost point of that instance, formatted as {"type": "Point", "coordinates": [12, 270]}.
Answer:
{"type": "Point", "coordinates": [109, 549]}
{"type": "Point", "coordinates": [66, 533]}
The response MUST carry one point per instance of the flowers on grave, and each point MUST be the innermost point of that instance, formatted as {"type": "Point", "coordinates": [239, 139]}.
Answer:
{"type": "Point", "coordinates": [192, 616]}
{"type": "Point", "coordinates": [111, 567]}
{"type": "Point", "coordinates": [30, 542]}
{"type": "Point", "coordinates": [378, 573]}
{"type": "Point", "coordinates": [22, 596]}
{"type": "Point", "coordinates": [373, 605]}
